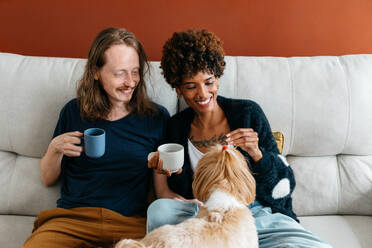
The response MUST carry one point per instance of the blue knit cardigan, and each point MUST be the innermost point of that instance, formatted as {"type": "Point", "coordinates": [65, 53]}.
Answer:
{"type": "Point", "coordinates": [274, 177]}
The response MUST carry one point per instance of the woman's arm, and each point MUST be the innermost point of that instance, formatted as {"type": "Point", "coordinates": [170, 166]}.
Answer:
{"type": "Point", "coordinates": [275, 180]}
{"type": "Point", "coordinates": [161, 187]}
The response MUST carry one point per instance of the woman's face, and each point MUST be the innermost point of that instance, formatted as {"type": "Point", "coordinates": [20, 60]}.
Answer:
{"type": "Point", "coordinates": [120, 74]}
{"type": "Point", "coordinates": [200, 92]}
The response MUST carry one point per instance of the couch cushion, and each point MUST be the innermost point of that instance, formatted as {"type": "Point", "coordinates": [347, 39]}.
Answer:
{"type": "Point", "coordinates": [341, 231]}
{"type": "Point", "coordinates": [34, 90]}
{"type": "Point", "coordinates": [339, 184]}
{"type": "Point", "coordinates": [15, 230]}
{"type": "Point", "coordinates": [21, 188]}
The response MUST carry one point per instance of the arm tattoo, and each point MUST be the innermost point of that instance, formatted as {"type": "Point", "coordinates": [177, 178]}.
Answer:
{"type": "Point", "coordinates": [221, 139]}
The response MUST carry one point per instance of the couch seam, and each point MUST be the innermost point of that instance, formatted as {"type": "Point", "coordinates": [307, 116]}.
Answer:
{"type": "Point", "coordinates": [292, 106]}
{"type": "Point", "coordinates": [339, 184]}
{"type": "Point", "coordinates": [348, 103]}
{"type": "Point", "coordinates": [347, 137]}
{"type": "Point", "coordinates": [11, 183]}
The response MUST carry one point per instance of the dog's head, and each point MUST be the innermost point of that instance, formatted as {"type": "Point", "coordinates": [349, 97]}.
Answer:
{"type": "Point", "coordinates": [225, 169]}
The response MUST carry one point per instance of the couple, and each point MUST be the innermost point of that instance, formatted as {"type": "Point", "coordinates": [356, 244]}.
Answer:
{"type": "Point", "coordinates": [104, 200]}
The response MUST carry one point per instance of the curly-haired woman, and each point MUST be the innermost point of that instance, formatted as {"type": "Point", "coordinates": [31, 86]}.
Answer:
{"type": "Point", "coordinates": [192, 63]}
{"type": "Point", "coordinates": [104, 199]}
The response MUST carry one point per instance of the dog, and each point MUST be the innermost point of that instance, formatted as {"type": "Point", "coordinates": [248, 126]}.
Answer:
{"type": "Point", "coordinates": [225, 186]}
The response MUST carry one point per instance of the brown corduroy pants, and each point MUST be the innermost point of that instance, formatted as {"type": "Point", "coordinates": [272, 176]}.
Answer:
{"type": "Point", "coordinates": [83, 227]}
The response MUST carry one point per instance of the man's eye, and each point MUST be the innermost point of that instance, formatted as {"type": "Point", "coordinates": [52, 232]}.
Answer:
{"type": "Point", "coordinates": [119, 74]}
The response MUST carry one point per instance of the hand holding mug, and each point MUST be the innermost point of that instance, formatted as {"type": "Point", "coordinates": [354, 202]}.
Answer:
{"type": "Point", "coordinates": [68, 144]}
{"type": "Point", "coordinates": [246, 139]}
{"type": "Point", "coordinates": [168, 159]}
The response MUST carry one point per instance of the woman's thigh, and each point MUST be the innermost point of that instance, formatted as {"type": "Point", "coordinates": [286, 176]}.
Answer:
{"type": "Point", "coordinates": [169, 211]}
{"type": "Point", "coordinates": [279, 230]}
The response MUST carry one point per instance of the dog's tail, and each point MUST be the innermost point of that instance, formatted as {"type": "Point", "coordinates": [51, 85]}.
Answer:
{"type": "Point", "coordinates": [129, 243]}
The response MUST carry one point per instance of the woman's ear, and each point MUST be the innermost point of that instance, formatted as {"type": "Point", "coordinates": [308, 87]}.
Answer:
{"type": "Point", "coordinates": [179, 92]}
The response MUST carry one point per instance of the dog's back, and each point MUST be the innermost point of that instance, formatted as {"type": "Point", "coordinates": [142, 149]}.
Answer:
{"type": "Point", "coordinates": [232, 228]}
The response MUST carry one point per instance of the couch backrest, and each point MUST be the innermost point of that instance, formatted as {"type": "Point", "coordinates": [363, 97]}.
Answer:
{"type": "Point", "coordinates": [321, 104]}
{"type": "Point", "coordinates": [32, 92]}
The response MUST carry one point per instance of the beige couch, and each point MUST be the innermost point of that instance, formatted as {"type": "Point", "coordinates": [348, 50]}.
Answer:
{"type": "Point", "coordinates": [323, 105]}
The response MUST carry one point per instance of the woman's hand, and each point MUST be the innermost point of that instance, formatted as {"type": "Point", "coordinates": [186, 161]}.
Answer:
{"type": "Point", "coordinates": [66, 144]}
{"type": "Point", "coordinates": [157, 164]}
{"type": "Point", "coordinates": [180, 198]}
{"type": "Point", "coordinates": [200, 204]}
{"type": "Point", "coordinates": [246, 139]}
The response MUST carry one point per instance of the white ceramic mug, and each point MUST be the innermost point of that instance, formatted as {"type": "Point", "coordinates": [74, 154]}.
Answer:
{"type": "Point", "coordinates": [172, 155]}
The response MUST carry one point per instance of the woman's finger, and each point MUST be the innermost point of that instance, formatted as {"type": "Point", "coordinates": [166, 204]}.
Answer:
{"type": "Point", "coordinates": [159, 167]}
{"type": "Point", "coordinates": [179, 171]}
{"type": "Point", "coordinates": [153, 162]}
{"type": "Point", "coordinates": [244, 142]}
{"type": "Point", "coordinates": [244, 139]}
{"type": "Point", "coordinates": [241, 132]}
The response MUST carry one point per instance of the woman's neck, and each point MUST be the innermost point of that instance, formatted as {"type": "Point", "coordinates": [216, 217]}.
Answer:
{"type": "Point", "coordinates": [210, 119]}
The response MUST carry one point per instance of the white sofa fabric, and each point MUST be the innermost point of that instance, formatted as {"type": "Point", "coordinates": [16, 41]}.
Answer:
{"type": "Point", "coordinates": [323, 105]}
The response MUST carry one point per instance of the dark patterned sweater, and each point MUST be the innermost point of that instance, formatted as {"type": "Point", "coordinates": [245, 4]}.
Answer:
{"type": "Point", "coordinates": [274, 177]}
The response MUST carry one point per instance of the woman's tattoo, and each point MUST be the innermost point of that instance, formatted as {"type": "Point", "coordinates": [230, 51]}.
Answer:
{"type": "Point", "coordinates": [221, 139]}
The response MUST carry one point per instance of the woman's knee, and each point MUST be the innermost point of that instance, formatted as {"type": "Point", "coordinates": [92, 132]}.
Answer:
{"type": "Point", "coordinates": [160, 211]}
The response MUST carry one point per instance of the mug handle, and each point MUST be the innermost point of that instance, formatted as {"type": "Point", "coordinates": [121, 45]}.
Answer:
{"type": "Point", "coordinates": [82, 140]}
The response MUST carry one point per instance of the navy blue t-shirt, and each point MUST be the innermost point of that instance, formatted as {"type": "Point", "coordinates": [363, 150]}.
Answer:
{"type": "Point", "coordinates": [119, 179]}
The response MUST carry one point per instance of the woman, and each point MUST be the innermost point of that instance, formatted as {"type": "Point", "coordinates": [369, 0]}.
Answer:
{"type": "Point", "coordinates": [192, 63]}
{"type": "Point", "coordinates": [102, 200]}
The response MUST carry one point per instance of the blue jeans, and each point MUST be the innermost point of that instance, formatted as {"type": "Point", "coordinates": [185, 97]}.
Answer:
{"type": "Point", "coordinates": [274, 230]}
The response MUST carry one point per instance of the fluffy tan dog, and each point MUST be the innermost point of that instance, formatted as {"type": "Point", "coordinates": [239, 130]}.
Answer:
{"type": "Point", "coordinates": [224, 184]}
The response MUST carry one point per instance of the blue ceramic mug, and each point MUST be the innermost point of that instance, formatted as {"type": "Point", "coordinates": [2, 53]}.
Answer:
{"type": "Point", "coordinates": [94, 142]}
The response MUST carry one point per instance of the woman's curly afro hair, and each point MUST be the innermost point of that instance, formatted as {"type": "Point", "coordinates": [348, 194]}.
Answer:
{"type": "Point", "coordinates": [189, 52]}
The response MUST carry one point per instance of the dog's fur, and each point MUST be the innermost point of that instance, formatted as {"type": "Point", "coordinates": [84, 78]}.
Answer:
{"type": "Point", "coordinates": [224, 184]}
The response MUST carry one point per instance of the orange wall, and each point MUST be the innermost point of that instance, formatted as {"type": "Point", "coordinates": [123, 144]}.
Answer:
{"type": "Point", "coordinates": [66, 28]}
